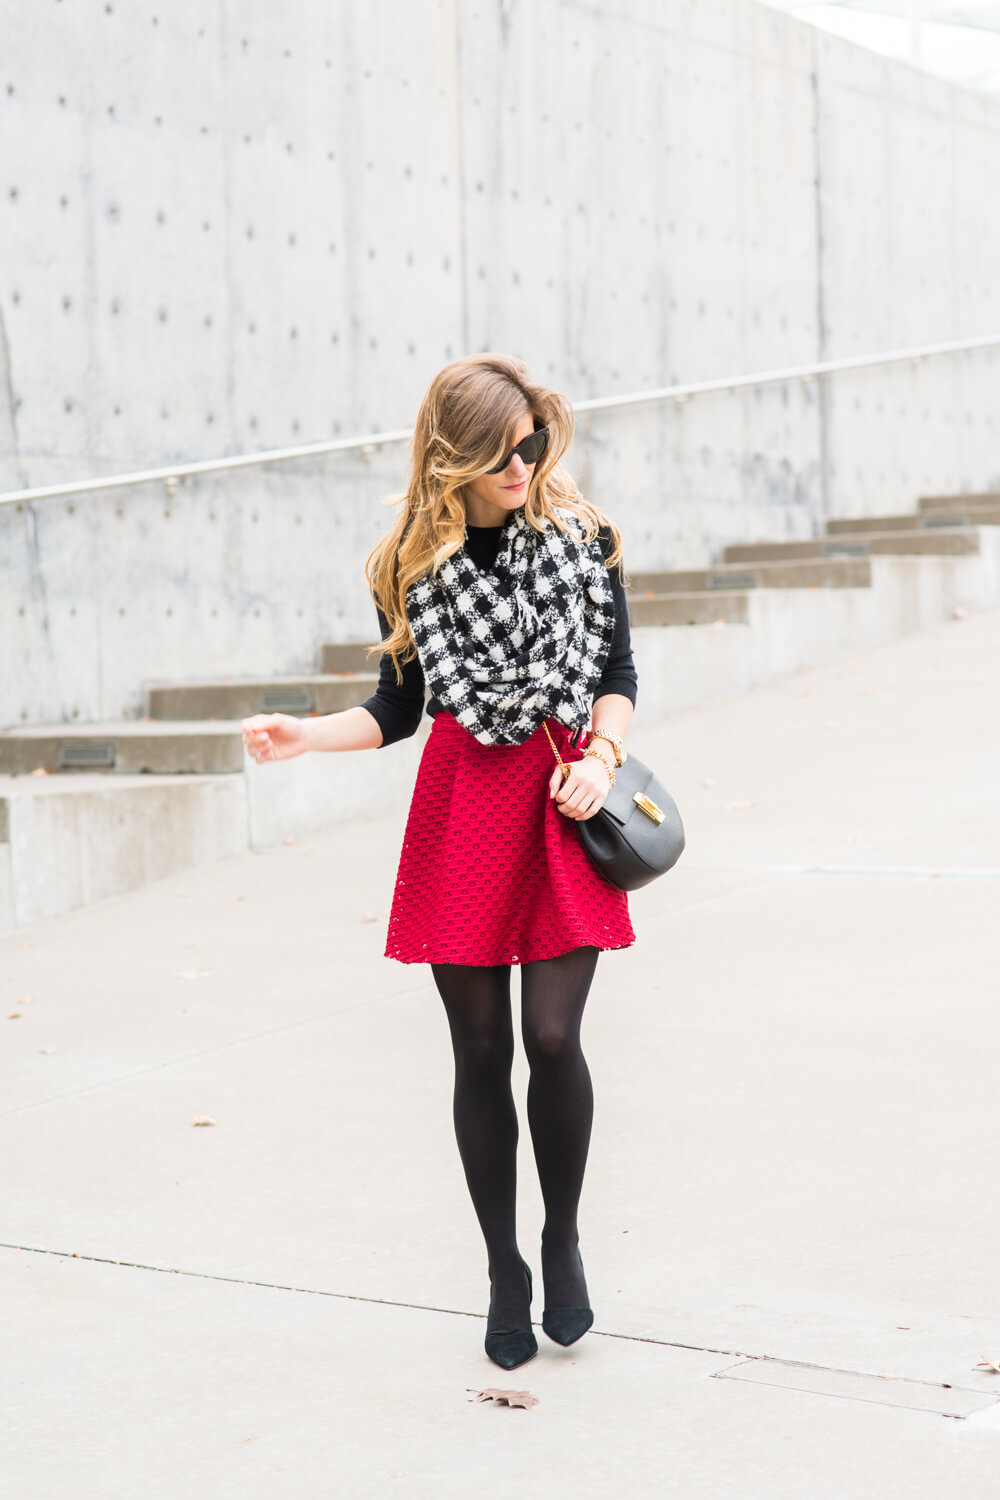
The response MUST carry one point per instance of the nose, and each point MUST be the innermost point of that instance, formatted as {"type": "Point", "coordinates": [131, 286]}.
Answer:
{"type": "Point", "coordinates": [517, 469]}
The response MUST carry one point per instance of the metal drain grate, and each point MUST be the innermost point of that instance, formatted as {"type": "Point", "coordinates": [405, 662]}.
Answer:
{"type": "Point", "coordinates": [286, 701]}
{"type": "Point", "coordinates": [731, 581]}
{"type": "Point", "coordinates": [86, 755]}
{"type": "Point", "coordinates": [847, 549]}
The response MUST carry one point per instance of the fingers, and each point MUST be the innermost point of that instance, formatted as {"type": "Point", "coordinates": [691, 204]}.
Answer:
{"type": "Point", "coordinates": [257, 736]}
{"type": "Point", "coordinates": [259, 746]}
{"type": "Point", "coordinates": [579, 799]}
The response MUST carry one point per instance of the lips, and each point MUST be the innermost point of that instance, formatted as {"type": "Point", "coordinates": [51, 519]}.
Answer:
{"type": "Point", "coordinates": [516, 486]}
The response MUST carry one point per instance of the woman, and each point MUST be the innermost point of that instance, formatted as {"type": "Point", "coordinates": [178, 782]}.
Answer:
{"type": "Point", "coordinates": [499, 588]}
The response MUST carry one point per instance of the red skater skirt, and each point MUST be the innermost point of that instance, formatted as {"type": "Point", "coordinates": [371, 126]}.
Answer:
{"type": "Point", "coordinates": [490, 872]}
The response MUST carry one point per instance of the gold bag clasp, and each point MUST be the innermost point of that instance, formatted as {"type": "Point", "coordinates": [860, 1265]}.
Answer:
{"type": "Point", "coordinates": [649, 807]}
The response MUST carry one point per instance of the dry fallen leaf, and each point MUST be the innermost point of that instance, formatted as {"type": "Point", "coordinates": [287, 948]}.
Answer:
{"type": "Point", "coordinates": [203, 1120]}
{"type": "Point", "coordinates": [988, 1364]}
{"type": "Point", "coordinates": [708, 781]}
{"type": "Point", "coordinates": [46, 1049]}
{"type": "Point", "coordinates": [26, 1000]}
{"type": "Point", "coordinates": [15, 1015]}
{"type": "Point", "coordinates": [509, 1398]}
{"type": "Point", "coordinates": [369, 917]}
{"type": "Point", "coordinates": [40, 771]}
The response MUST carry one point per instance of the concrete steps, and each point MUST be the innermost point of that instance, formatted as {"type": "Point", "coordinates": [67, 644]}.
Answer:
{"type": "Point", "coordinates": [934, 542]}
{"type": "Point", "coordinates": [125, 748]}
{"type": "Point", "coordinates": [958, 502]}
{"type": "Point", "coordinates": [322, 694]}
{"type": "Point", "coordinates": [90, 811]}
{"type": "Point", "coordinates": [927, 520]}
{"type": "Point", "coordinates": [68, 840]}
{"type": "Point", "coordinates": [808, 574]}
{"type": "Point", "coordinates": [703, 608]}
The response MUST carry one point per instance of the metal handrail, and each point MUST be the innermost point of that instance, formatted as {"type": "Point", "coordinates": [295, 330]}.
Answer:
{"type": "Point", "coordinates": [370, 443]}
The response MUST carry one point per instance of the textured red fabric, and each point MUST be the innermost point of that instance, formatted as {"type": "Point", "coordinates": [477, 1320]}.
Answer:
{"type": "Point", "coordinates": [490, 872]}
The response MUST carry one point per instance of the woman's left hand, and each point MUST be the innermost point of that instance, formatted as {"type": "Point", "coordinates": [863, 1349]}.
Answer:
{"type": "Point", "coordinates": [584, 791]}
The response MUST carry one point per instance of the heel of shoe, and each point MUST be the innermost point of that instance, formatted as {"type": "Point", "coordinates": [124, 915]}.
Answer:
{"type": "Point", "coordinates": [516, 1347]}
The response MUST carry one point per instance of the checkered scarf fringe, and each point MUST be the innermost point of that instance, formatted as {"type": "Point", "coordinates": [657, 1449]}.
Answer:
{"type": "Point", "coordinates": [506, 649]}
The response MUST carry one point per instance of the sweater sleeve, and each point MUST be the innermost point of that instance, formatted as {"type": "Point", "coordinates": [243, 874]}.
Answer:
{"type": "Point", "coordinates": [619, 674]}
{"type": "Point", "coordinates": [396, 707]}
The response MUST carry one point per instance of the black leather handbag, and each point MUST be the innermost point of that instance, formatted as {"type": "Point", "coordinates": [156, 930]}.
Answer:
{"type": "Point", "coordinates": [638, 833]}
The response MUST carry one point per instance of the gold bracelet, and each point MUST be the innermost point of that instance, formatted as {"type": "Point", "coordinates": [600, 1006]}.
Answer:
{"type": "Point", "coordinates": [593, 750]}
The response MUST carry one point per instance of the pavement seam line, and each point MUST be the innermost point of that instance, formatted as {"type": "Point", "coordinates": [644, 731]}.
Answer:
{"type": "Point", "coordinates": [737, 1356]}
{"type": "Point", "coordinates": [898, 1380]}
{"type": "Point", "coordinates": [311, 1291]}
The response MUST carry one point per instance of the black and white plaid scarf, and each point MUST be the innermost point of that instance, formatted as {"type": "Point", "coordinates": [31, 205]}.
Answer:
{"type": "Point", "coordinates": [503, 650]}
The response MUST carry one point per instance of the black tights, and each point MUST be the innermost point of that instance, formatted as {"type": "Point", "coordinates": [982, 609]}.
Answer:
{"type": "Point", "coordinates": [560, 1111]}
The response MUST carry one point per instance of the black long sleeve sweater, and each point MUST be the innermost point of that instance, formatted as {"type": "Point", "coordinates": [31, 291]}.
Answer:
{"type": "Point", "coordinates": [397, 707]}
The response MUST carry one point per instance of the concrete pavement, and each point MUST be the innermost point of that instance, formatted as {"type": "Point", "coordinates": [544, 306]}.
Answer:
{"type": "Point", "coordinates": [789, 1214]}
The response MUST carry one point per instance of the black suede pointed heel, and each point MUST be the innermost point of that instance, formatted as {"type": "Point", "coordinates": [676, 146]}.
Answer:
{"type": "Point", "coordinates": [564, 1325]}
{"type": "Point", "coordinates": [510, 1348]}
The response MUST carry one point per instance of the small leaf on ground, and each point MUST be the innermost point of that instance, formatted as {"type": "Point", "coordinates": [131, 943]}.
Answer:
{"type": "Point", "coordinates": [203, 1120]}
{"type": "Point", "coordinates": [505, 1398]}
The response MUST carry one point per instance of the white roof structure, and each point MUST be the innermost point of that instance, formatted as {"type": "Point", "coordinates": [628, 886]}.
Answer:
{"type": "Point", "coordinates": [960, 42]}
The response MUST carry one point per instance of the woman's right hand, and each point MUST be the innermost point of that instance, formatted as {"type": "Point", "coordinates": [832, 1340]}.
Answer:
{"type": "Point", "coordinates": [274, 737]}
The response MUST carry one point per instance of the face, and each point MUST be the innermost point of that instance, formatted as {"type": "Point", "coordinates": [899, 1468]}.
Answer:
{"type": "Point", "coordinates": [494, 496]}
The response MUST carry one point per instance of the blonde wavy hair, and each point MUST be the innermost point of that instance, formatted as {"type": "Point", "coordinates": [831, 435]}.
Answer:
{"type": "Point", "coordinates": [465, 427]}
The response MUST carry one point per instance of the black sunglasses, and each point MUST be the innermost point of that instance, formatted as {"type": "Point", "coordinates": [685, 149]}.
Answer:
{"type": "Point", "coordinates": [529, 450]}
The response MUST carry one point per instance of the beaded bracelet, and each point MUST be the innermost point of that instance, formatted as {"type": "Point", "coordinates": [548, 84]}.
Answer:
{"type": "Point", "coordinates": [593, 750]}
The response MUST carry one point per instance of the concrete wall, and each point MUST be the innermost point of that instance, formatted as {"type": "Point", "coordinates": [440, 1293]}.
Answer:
{"type": "Point", "coordinates": [227, 226]}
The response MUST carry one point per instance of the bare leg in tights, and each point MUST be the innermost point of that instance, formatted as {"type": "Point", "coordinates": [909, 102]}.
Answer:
{"type": "Point", "coordinates": [560, 1111]}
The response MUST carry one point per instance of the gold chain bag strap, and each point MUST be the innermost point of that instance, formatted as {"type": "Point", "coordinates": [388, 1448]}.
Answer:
{"type": "Point", "coordinates": [637, 834]}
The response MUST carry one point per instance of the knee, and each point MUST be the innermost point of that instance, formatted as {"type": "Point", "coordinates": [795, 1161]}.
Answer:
{"type": "Point", "coordinates": [548, 1042]}
{"type": "Point", "coordinates": [484, 1055]}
